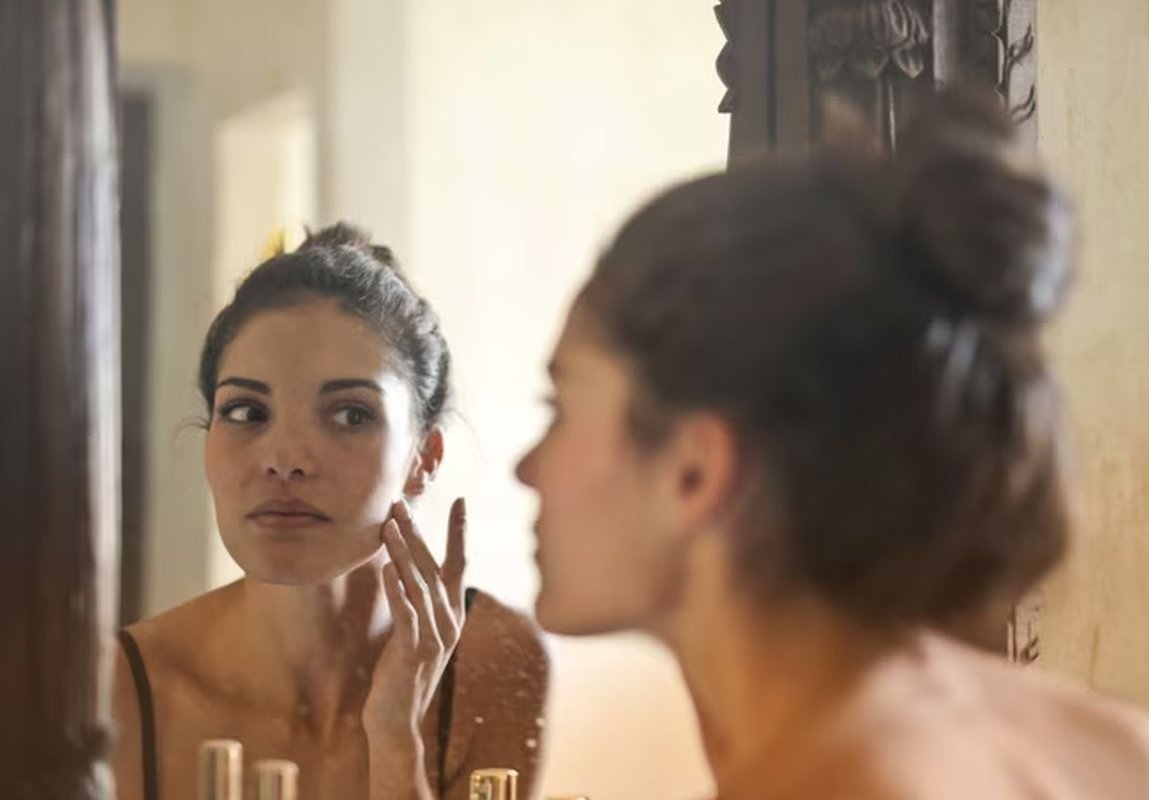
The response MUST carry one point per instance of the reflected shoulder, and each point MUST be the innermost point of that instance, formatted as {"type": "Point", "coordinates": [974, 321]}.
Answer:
{"type": "Point", "coordinates": [496, 633]}
{"type": "Point", "coordinates": [173, 640]}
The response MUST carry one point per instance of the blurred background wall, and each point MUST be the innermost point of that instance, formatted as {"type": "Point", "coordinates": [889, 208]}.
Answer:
{"type": "Point", "coordinates": [1094, 121]}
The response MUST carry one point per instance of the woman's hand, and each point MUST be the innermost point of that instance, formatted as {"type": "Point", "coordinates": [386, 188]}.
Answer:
{"type": "Point", "coordinates": [427, 612]}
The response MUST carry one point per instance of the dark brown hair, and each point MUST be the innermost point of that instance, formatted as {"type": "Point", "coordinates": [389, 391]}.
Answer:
{"type": "Point", "coordinates": [341, 264]}
{"type": "Point", "coordinates": [871, 327]}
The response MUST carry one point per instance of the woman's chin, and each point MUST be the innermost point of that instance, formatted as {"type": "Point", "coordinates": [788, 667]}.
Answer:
{"type": "Point", "coordinates": [299, 567]}
{"type": "Point", "coordinates": [568, 617]}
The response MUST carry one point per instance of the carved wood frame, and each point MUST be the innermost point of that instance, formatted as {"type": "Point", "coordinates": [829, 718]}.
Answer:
{"type": "Point", "coordinates": [782, 55]}
{"type": "Point", "coordinates": [59, 409]}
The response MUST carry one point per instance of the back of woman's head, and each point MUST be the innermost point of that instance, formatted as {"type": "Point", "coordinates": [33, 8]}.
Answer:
{"type": "Point", "coordinates": [871, 328]}
{"type": "Point", "coordinates": [339, 263]}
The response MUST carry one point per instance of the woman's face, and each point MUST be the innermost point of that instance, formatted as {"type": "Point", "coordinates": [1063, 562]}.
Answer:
{"type": "Point", "coordinates": [608, 553]}
{"type": "Point", "coordinates": [311, 440]}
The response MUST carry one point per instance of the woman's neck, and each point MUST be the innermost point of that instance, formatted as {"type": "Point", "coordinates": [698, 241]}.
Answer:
{"type": "Point", "coordinates": [310, 650]}
{"type": "Point", "coordinates": [765, 682]}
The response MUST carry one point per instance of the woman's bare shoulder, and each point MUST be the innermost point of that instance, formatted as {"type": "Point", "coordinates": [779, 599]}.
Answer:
{"type": "Point", "coordinates": [169, 647]}
{"type": "Point", "coordinates": [1037, 696]}
{"type": "Point", "coordinates": [501, 694]}
{"type": "Point", "coordinates": [496, 631]}
{"type": "Point", "coordinates": [1099, 742]}
{"type": "Point", "coordinates": [127, 760]}
{"type": "Point", "coordinates": [502, 653]}
{"type": "Point", "coordinates": [174, 641]}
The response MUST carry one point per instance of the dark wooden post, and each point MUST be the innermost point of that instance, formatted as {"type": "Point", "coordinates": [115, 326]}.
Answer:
{"type": "Point", "coordinates": [783, 58]}
{"type": "Point", "coordinates": [58, 396]}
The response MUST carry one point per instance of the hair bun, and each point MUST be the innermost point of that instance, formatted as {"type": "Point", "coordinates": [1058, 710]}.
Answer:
{"type": "Point", "coordinates": [979, 222]}
{"type": "Point", "coordinates": [343, 234]}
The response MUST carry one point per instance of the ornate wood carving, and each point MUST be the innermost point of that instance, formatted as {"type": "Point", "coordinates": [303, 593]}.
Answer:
{"type": "Point", "coordinates": [1024, 633]}
{"type": "Point", "coordinates": [58, 404]}
{"type": "Point", "coordinates": [871, 53]}
{"type": "Point", "coordinates": [781, 56]}
{"type": "Point", "coordinates": [727, 69]}
{"type": "Point", "coordinates": [1002, 43]}
{"type": "Point", "coordinates": [749, 61]}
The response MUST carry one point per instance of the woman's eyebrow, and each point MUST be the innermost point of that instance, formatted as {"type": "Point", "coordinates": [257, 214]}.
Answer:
{"type": "Point", "coordinates": [245, 383]}
{"type": "Point", "coordinates": [350, 383]}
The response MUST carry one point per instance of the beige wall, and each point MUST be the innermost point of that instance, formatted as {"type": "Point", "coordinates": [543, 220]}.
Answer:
{"type": "Point", "coordinates": [155, 31]}
{"type": "Point", "coordinates": [1094, 120]}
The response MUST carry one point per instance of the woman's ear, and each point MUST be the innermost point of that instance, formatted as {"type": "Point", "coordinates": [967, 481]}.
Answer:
{"type": "Point", "coordinates": [705, 468]}
{"type": "Point", "coordinates": [427, 461]}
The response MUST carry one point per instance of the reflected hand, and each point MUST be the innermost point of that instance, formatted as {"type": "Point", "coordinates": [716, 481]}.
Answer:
{"type": "Point", "coordinates": [427, 612]}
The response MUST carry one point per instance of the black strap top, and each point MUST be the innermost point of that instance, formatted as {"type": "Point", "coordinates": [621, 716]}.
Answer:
{"type": "Point", "coordinates": [148, 714]}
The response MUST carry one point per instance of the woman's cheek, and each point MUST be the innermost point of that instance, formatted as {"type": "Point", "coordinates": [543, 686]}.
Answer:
{"type": "Point", "coordinates": [368, 480]}
{"type": "Point", "coordinates": [221, 462]}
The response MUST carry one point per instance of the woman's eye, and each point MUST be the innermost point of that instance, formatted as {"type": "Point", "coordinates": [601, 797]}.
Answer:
{"type": "Point", "coordinates": [352, 417]}
{"type": "Point", "coordinates": [243, 413]}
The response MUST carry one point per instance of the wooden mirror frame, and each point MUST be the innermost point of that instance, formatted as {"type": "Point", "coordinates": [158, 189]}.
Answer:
{"type": "Point", "coordinates": [59, 403]}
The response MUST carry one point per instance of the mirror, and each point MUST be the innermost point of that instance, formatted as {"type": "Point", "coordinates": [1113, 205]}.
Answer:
{"type": "Point", "coordinates": [492, 147]}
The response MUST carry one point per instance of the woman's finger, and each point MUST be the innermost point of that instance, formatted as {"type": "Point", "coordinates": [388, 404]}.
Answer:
{"type": "Point", "coordinates": [415, 590]}
{"type": "Point", "coordinates": [404, 619]}
{"type": "Point", "coordinates": [455, 560]}
{"type": "Point", "coordinates": [424, 560]}
{"type": "Point", "coordinates": [447, 618]}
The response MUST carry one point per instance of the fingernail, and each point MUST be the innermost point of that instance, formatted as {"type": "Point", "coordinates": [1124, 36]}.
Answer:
{"type": "Point", "coordinates": [402, 510]}
{"type": "Point", "coordinates": [391, 528]}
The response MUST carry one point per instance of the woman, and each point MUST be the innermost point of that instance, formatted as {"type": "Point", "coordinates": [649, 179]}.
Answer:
{"type": "Point", "coordinates": [801, 415]}
{"type": "Point", "coordinates": [344, 648]}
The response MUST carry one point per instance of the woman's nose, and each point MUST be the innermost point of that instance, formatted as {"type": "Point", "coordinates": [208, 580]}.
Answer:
{"type": "Point", "coordinates": [281, 469]}
{"type": "Point", "coordinates": [288, 459]}
{"type": "Point", "coordinates": [524, 470]}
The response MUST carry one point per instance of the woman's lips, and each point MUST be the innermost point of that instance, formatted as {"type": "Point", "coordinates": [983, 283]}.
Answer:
{"type": "Point", "coordinates": [277, 519]}
{"type": "Point", "coordinates": [287, 513]}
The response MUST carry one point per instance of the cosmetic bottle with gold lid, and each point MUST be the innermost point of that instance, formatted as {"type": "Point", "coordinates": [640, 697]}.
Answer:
{"type": "Point", "coordinates": [494, 784]}
{"type": "Point", "coordinates": [276, 779]}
